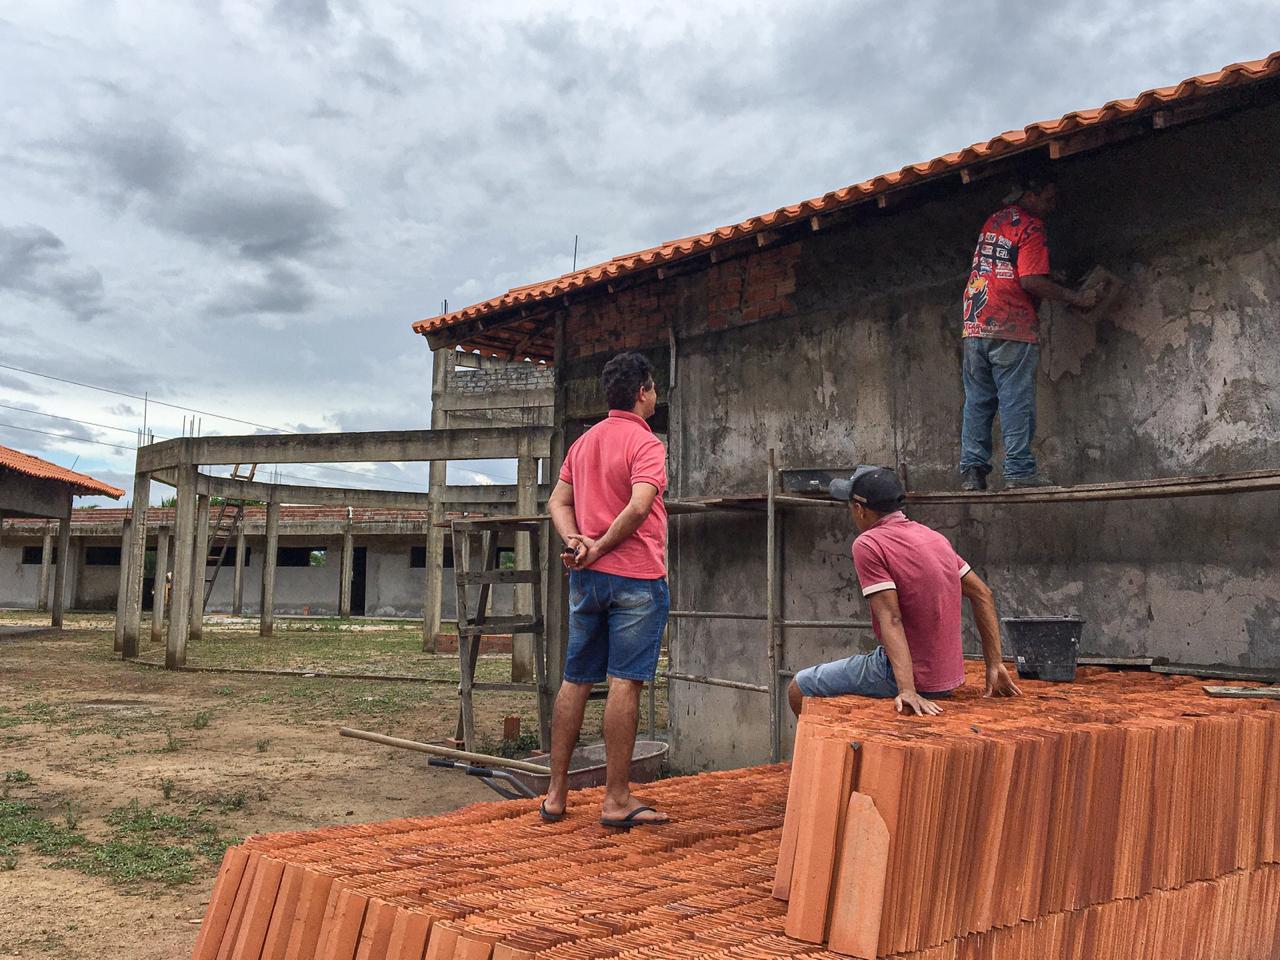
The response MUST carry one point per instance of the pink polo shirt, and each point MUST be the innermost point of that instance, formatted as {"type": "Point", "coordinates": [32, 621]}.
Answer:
{"type": "Point", "coordinates": [602, 464]}
{"type": "Point", "coordinates": [920, 563]}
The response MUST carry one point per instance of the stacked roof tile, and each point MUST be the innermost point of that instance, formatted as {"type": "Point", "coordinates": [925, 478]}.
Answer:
{"type": "Point", "coordinates": [901, 837]}
{"type": "Point", "coordinates": [1011, 142]}
{"type": "Point", "coordinates": [1126, 817]}
{"type": "Point", "coordinates": [81, 483]}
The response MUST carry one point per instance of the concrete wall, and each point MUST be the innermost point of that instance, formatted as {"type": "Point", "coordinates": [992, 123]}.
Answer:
{"type": "Point", "coordinates": [856, 359]}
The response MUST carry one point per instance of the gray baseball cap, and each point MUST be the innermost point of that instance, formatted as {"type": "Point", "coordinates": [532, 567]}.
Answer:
{"type": "Point", "coordinates": [876, 487]}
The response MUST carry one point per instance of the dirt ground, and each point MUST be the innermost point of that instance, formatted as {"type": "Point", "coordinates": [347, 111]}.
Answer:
{"type": "Point", "coordinates": [123, 783]}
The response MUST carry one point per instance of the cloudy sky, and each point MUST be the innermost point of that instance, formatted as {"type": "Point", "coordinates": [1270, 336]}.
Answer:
{"type": "Point", "coordinates": [240, 206]}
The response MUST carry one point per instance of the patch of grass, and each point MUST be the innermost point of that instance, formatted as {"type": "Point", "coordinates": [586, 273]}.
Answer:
{"type": "Point", "coordinates": [522, 746]}
{"type": "Point", "coordinates": [166, 788]}
{"type": "Point", "coordinates": [172, 744]}
{"type": "Point", "coordinates": [262, 744]}
{"type": "Point", "coordinates": [144, 844]}
{"type": "Point", "coordinates": [17, 776]}
{"type": "Point", "coordinates": [201, 719]}
{"type": "Point", "coordinates": [70, 815]}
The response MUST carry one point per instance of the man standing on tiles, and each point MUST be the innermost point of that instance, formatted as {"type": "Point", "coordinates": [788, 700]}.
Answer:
{"type": "Point", "coordinates": [1001, 348]}
{"type": "Point", "coordinates": [913, 580]}
{"type": "Point", "coordinates": [607, 508]}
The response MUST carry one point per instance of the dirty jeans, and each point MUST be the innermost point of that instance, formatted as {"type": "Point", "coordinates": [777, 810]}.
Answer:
{"type": "Point", "coordinates": [999, 375]}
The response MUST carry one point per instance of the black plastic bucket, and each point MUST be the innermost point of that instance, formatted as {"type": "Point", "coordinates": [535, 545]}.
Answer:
{"type": "Point", "coordinates": [1045, 648]}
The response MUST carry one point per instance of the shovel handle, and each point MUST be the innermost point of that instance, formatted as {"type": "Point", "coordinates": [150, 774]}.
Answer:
{"type": "Point", "coordinates": [434, 750]}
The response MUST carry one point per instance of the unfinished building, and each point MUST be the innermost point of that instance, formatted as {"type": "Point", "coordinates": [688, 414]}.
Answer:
{"type": "Point", "coordinates": [829, 333]}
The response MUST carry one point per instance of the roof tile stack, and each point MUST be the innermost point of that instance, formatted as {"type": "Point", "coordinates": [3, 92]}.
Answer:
{"type": "Point", "coordinates": [905, 835]}
{"type": "Point", "coordinates": [1123, 818]}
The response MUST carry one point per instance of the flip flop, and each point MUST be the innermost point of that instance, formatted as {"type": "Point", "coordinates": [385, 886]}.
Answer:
{"type": "Point", "coordinates": [547, 815]}
{"type": "Point", "coordinates": [629, 821]}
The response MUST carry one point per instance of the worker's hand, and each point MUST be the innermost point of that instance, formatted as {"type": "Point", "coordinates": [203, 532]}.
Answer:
{"type": "Point", "coordinates": [1000, 684]}
{"type": "Point", "coordinates": [916, 704]}
{"type": "Point", "coordinates": [576, 549]}
{"type": "Point", "coordinates": [1085, 299]}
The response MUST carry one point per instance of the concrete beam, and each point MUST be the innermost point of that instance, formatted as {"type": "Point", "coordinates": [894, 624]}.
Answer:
{"type": "Point", "coordinates": [64, 562]}
{"type": "Point", "coordinates": [134, 558]}
{"type": "Point", "coordinates": [23, 496]}
{"type": "Point", "coordinates": [175, 654]}
{"type": "Point", "coordinates": [267, 616]}
{"type": "Point", "coordinates": [481, 493]}
{"type": "Point", "coordinates": [158, 592]}
{"type": "Point", "coordinates": [237, 589]}
{"type": "Point", "coordinates": [199, 566]}
{"type": "Point", "coordinates": [497, 400]}
{"type": "Point", "coordinates": [310, 496]}
{"type": "Point", "coordinates": [374, 446]}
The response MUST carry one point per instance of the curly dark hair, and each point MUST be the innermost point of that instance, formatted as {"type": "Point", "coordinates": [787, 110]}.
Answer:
{"type": "Point", "coordinates": [622, 378]}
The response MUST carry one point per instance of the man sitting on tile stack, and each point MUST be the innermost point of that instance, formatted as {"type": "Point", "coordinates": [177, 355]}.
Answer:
{"type": "Point", "coordinates": [913, 580]}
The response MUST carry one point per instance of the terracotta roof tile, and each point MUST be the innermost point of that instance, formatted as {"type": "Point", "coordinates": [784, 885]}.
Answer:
{"type": "Point", "coordinates": [1007, 143]}
{"type": "Point", "coordinates": [84, 484]}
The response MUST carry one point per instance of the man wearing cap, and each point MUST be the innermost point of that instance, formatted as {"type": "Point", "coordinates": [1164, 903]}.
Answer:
{"type": "Point", "coordinates": [1001, 345]}
{"type": "Point", "coordinates": [913, 580]}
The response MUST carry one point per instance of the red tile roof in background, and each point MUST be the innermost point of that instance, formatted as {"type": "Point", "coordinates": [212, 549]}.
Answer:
{"type": "Point", "coordinates": [84, 484]}
{"type": "Point", "coordinates": [1006, 144]}
{"type": "Point", "coordinates": [161, 516]}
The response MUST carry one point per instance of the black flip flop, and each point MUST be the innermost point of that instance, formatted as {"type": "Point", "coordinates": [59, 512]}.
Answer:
{"type": "Point", "coordinates": [629, 821]}
{"type": "Point", "coordinates": [547, 815]}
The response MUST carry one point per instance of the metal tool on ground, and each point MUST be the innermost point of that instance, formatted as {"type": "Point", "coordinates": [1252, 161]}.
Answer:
{"type": "Point", "coordinates": [527, 778]}
{"type": "Point", "coordinates": [1247, 693]}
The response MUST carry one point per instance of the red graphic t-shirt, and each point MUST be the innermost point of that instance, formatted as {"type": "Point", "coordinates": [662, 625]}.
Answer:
{"type": "Point", "coordinates": [1012, 245]}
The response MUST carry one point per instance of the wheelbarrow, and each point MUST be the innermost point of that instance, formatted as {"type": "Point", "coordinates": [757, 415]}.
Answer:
{"type": "Point", "coordinates": [516, 779]}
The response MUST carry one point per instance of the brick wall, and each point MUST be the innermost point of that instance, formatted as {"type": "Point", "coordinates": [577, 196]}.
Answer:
{"type": "Point", "coordinates": [729, 294]}
{"type": "Point", "coordinates": [491, 379]}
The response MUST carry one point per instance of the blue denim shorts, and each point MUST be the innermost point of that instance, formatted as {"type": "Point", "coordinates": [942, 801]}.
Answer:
{"type": "Point", "coordinates": [863, 675]}
{"type": "Point", "coordinates": [615, 626]}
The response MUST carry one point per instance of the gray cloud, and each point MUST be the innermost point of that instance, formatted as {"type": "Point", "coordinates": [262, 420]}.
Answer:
{"type": "Point", "coordinates": [34, 263]}
{"type": "Point", "coordinates": [14, 382]}
{"type": "Point", "coordinates": [302, 14]}
{"type": "Point", "coordinates": [281, 289]}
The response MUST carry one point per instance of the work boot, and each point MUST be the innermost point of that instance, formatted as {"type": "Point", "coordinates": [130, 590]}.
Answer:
{"type": "Point", "coordinates": [972, 480]}
{"type": "Point", "coordinates": [1035, 480]}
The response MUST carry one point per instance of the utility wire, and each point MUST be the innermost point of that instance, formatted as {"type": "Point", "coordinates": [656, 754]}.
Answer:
{"type": "Point", "coordinates": [62, 436]}
{"type": "Point", "coordinates": [83, 423]}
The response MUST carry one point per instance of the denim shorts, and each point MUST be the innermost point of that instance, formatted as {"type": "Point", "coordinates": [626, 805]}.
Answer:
{"type": "Point", "coordinates": [615, 626]}
{"type": "Point", "coordinates": [863, 675]}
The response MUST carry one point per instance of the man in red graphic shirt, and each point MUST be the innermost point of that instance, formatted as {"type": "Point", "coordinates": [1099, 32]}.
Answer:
{"type": "Point", "coordinates": [1009, 278]}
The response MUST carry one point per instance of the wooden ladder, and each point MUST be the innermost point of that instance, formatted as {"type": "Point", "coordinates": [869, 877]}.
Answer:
{"type": "Point", "coordinates": [230, 515]}
{"type": "Point", "coordinates": [475, 563]}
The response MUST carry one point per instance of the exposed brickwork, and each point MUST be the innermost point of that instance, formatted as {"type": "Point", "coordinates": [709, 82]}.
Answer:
{"type": "Point", "coordinates": [734, 293]}
{"type": "Point", "coordinates": [513, 376]}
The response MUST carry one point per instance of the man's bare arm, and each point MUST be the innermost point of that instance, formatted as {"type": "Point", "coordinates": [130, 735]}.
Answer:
{"type": "Point", "coordinates": [983, 604]}
{"type": "Point", "coordinates": [1045, 288]}
{"type": "Point", "coordinates": [884, 606]}
{"type": "Point", "coordinates": [563, 518]}
{"type": "Point", "coordinates": [625, 523]}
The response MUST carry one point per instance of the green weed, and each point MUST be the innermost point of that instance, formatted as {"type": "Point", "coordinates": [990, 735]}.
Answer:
{"type": "Point", "coordinates": [201, 719]}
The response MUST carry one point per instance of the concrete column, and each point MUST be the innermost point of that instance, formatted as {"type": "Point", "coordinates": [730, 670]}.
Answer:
{"type": "Point", "coordinates": [556, 608]}
{"type": "Point", "coordinates": [199, 567]}
{"type": "Point", "coordinates": [267, 617]}
{"type": "Point", "coordinates": [441, 369]}
{"type": "Point", "coordinates": [526, 506]}
{"type": "Point", "coordinates": [46, 558]}
{"type": "Point", "coordinates": [175, 654]}
{"type": "Point", "coordinates": [136, 547]}
{"type": "Point", "coordinates": [122, 591]}
{"type": "Point", "coordinates": [157, 601]}
{"type": "Point", "coordinates": [64, 564]}
{"type": "Point", "coordinates": [348, 558]}
{"type": "Point", "coordinates": [237, 597]}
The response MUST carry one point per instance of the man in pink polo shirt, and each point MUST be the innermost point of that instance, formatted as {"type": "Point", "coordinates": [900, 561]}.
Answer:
{"type": "Point", "coordinates": [913, 580]}
{"type": "Point", "coordinates": [607, 508]}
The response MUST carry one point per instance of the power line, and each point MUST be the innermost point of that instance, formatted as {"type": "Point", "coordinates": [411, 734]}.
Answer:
{"type": "Point", "coordinates": [62, 436]}
{"type": "Point", "coordinates": [134, 396]}
{"type": "Point", "coordinates": [83, 423]}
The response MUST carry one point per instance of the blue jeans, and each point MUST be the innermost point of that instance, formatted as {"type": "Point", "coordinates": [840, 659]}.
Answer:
{"type": "Point", "coordinates": [999, 375]}
{"type": "Point", "coordinates": [862, 675]}
{"type": "Point", "coordinates": [615, 626]}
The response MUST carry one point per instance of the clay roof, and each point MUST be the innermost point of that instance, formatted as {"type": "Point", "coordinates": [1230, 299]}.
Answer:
{"type": "Point", "coordinates": [162, 516]}
{"type": "Point", "coordinates": [529, 340]}
{"type": "Point", "coordinates": [83, 484]}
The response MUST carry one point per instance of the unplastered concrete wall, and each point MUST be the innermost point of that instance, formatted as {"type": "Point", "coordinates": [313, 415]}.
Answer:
{"type": "Point", "coordinates": [861, 363]}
